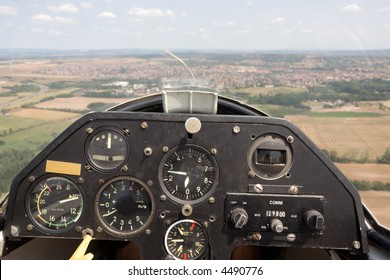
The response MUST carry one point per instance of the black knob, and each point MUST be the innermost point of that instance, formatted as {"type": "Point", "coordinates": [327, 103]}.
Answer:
{"type": "Point", "coordinates": [314, 219]}
{"type": "Point", "coordinates": [239, 217]}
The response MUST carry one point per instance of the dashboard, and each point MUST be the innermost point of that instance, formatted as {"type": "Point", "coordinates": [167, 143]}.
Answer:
{"type": "Point", "coordinates": [186, 186]}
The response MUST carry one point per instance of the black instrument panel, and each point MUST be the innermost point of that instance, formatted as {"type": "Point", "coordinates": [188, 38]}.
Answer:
{"type": "Point", "coordinates": [241, 180]}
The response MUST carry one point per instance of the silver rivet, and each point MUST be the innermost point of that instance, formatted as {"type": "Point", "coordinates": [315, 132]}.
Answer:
{"type": "Point", "coordinates": [211, 199]}
{"type": "Point", "coordinates": [165, 149]}
{"type": "Point", "coordinates": [214, 151]}
{"type": "Point", "coordinates": [148, 231]}
{"type": "Point", "coordinates": [290, 139]}
{"type": "Point", "coordinates": [236, 129]}
{"type": "Point", "coordinates": [356, 245]}
{"type": "Point", "coordinates": [163, 197]}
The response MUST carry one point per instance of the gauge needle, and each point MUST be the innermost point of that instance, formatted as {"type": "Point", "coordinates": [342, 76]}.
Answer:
{"type": "Point", "coordinates": [109, 141]}
{"type": "Point", "coordinates": [177, 240]}
{"type": "Point", "coordinates": [110, 213]}
{"type": "Point", "coordinates": [177, 172]}
{"type": "Point", "coordinates": [69, 199]}
{"type": "Point", "coordinates": [186, 182]}
{"type": "Point", "coordinates": [181, 232]}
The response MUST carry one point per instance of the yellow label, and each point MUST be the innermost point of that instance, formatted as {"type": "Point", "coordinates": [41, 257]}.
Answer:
{"type": "Point", "coordinates": [62, 167]}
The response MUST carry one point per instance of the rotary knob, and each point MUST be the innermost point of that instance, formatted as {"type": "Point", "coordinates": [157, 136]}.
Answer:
{"type": "Point", "coordinates": [239, 217]}
{"type": "Point", "coordinates": [314, 219]}
{"type": "Point", "coordinates": [277, 225]}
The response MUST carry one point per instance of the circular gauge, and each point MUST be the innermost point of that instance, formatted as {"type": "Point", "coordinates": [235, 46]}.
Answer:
{"type": "Point", "coordinates": [270, 157]}
{"type": "Point", "coordinates": [55, 203]}
{"type": "Point", "coordinates": [124, 206]}
{"type": "Point", "coordinates": [188, 173]}
{"type": "Point", "coordinates": [107, 149]}
{"type": "Point", "coordinates": [186, 240]}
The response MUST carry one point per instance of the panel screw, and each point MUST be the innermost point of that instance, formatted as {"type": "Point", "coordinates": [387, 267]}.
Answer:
{"type": "Point", "coordinates": [31, 179]}
{"type": "Point", "coordinates": [356, 245]}
{"type": "Point", "coordinates": [125, 168]}
{"type": "Point", "coordinates": [291, 237]}
{"type": "Point", "coordinates": [126, 131]}
{"type": "Point", "coordinates": [236, 129]}
{"type": "Point", "coordinates": [211, 199]}
{"type": "Point", "coordinates": [80, 180]}
{"type": "Point", "coordinates": [205, 224]}
{"type": "Point", "coordinates": [251, 174]}
{"type": "Point", "coordinates": [290, 139]}
{"type": "Point", "coordinates": [149, 183]}
{"type": "Point", "coordinates": [14, 231]}
{"type": "Point", "coordinates": [101, 181]}
{"type": "Point", "coordinates": [30, 227]}
{"type": "Point", "coordinates": [148, 151]}
{"type": "Point", "coordinates": [256, 236]}
{"type": "Point", "coordinates": [99, 229]}
{"type": "Point", "coordinates": [167, 222]}
{"type": "Point", "coordinates": [165, 149]}
{"type": "Point", "coordinates": [163, 197]}
{"type": "Point", "coordinates": [144, 125]}
{"type": "Point", "coordinates": [148, 231]}
{"type": "Point", "coordinates": [293, 190]}
{"type": "Point", "coordinates": [214, 151]}
{"type": "Point", "coordinates": [79, 229]}
{"type": "Point", "coordinates": [89, 130]}
{"type": "Point", "coordinates": [258, 188]}
{"type": "Point", "coordinates": [88, 167]}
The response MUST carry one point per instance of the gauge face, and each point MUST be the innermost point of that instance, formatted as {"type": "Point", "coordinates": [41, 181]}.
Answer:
{"type": "Point", "coordinates": [107, 150]}
{"type": "Point", "coordinates": [124, 206]}
{"type": "Point", "coordinates": [55, 203]}
{"type": "Point", "coordinates": [188, 173]}
{"type": "Point", "coordinates": [186, 240]}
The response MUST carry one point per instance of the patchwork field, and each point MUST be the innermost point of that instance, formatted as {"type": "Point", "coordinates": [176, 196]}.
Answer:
{"type": "Point", "coordinates": [366, 172]}
{"type": "Point", "coordinates": [378, 203]}
{"type": "Point", "coordinates": [365, 136]}
{"type": "Point", "coordinates": [77, 103]}
{"type": "Point", "coordinates": [45, 115]}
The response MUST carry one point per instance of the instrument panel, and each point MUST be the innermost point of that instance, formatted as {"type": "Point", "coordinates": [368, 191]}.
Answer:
{"type": "Point", "coordinates": [180, 194]}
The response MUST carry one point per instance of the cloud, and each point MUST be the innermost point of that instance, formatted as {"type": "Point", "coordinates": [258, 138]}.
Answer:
{"type": "Point", "coordinates": [354, 8]}
{"type": "Point", "coordinates": [107, 15]}
{"type": "Point", "coordinates": [8, 10]}
{"type": "Point", "coordinates": [249, 3]}
{"type": "Point", "coordinates": [65, 8]}
{"type": "Point", "coordinates": [86, 5]}
{"type": "Point", "coordinates": [141, 12]}
{"type": "Point", "coordinates": [384, 10]}
{"type": "Point", "coordinates": [224, 24]}
{"type": "Point", "coordinates": [44, 18]}
{"type": "Point", "coordinates": [278, 20]}
{"type": "Point", "coordinates": [37, 30]}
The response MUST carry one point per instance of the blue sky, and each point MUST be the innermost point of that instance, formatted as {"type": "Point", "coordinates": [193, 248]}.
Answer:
{"type": "Point", "coordinates": [199, 25]}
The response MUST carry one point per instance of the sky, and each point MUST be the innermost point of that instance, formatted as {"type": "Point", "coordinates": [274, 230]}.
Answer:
{"type": "Point", "coordinates": [195, 25]}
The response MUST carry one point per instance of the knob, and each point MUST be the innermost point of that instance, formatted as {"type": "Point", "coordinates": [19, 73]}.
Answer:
{"type": "Point", "coordinates": [239, 217]}
{"type": "Point", "coordinates": [314, 219]}
{"type": "Point", "coordinates": [277, 225]}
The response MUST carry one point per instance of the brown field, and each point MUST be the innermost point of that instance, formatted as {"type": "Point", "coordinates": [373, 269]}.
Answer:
{"type": "Point", "coordinates": [366, 172]}
{"type": "Point", "coordinates": [347, 136]}
{"type": "Point", "coordinates": [45, 115]}
{"type": "Point", "coordinates": [7, 99]}
{"type": "Point", "coordinates": [379, 204]}
{"type": "Point", "coordinates": [77, 103]}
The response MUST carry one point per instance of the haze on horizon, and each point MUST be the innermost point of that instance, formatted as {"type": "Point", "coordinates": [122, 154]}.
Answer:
{"type": "Point", "coordinates": [195, 25]}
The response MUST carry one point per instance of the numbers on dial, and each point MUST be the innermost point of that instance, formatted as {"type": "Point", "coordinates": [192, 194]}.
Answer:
{"type": "Point", "coordinates": [124, 206]}
{"type": "Point", "coordinates": [188, 173]}
{"type": "Point", "coordinates": [55, 203]}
